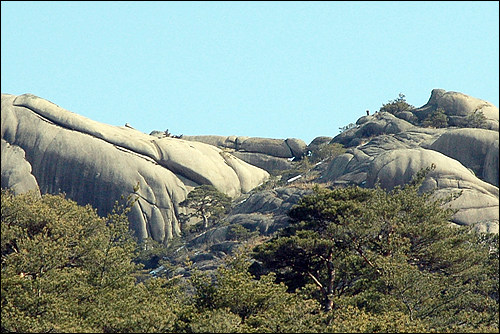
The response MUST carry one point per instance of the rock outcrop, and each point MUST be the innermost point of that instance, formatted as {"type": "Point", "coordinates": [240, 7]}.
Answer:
{"type": "Point", "coordinates": [373, 125]}
{"type": "Point", "coordinates": [478, 202]}
{"type": "Point", "coordinates": [16, 170]}
{"type": "Point", "coordinates": [476, 149]}
{"type": "Point", "coordinates": [48, 149]}
{"type": "Point", "coordinates": [388, 150]}
{"type": "Point", "coordinates": [262, 212]}
{"type": "Point", "coordinates": [51, 150]}
{"type": "Point", "coordinates": [272, 155]}
{"type": "Point", "coordinates": [458, 107]}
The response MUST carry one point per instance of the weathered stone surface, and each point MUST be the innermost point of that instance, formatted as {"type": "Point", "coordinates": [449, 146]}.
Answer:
{"type": "Point", "coordinates": [369, 126]}
{"type": "Point", "coordinates": [466, 158]}
{"type": "Point", "coordinates": [407, 116]}
{"type": "Point", "coordinates": [297, 146]}
{"type": "Point", "coordinates": [219, 141]}
{"type": "Point", "coordinates": [273, 147]}
{"type": "Point", "coordinates": [98, 163]}
{"type": "Point", "coordinates": [389, 164]}
{"type": "Point", "coordinates": [267, 153]}
{"type": "Point", "coordinates": [16, 171]}
{"type": "Point", "coordinates": [280, 148]}
{"type": "Point", "coordinates": [263, 223]}
{"type": "Point", "coordinates": [275, 201]}
{"type": "Point", "coordinates": [398, 167]}
{"type": "Point", "coordinates": [319, 141]}
{"type": "Point", "coordinates": [338, 167]}
{"type": "Point", "coordinates": [263, 211]}
{"type": "Point", "coordinates": [264, 161]}
{"type": "Point", "coordinates": [476, 149]}
{"type": "Point", "coordinates": [458, 105]}
{"type": "Point", "coordinates": [48, 148]}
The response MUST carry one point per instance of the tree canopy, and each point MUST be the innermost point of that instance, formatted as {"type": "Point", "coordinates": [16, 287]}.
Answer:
{"type": "Point", "coordinates": [351, 260]}
{"type": "Point", "coordinates": [384, 252]}
{"type": "Point", "coordinates": [65, 269]}
{"type": "Point", "coordinates": [207, 203]}
{"type": "Point", "coordinates": [397, 105]}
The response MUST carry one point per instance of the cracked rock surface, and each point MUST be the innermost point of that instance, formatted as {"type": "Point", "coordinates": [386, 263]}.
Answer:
{"type": "Point", "coordinates": [390, 151]}
{"type": "Point", "coordinates": [52, 150]}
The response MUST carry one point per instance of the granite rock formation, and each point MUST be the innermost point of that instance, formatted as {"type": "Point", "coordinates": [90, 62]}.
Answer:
{"type": "Point", "coordinates": [48, 149]}
{"type": "Point", "coordinates": [388, 150]}
{"type": "Point", "coordinates": [270, 154]}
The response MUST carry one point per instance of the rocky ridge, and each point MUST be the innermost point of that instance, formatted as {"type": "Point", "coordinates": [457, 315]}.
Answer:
{"type": "Point", "coordinates": [49, 149]}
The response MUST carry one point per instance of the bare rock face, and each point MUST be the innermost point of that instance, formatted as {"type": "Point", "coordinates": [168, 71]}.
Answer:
{"type": "Point", "coordinates": [459, 106]}
{"type": "Point", "coordinates": [368, 126]}
{"type": "Point", "coordinates": [16, 171]}
{"type": "Point", "coordinates": [264, 161]}
{"type": "Point", "coordinates": [263, 211]}
{"type": "Point", "coordinates": [95, 163]}
{"type": "Point", "coordinates": [389, 152]}
{"type": "Point", "coordinates": [280, 148]}
{"type": "Point", "coordinates": [269, 154]}
{"type": "Point", "coordinates": [476, 149]}
{"type": "Point", "coordinates": [478, 204]}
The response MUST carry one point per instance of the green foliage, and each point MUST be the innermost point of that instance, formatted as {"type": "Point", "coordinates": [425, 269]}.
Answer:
{"type": "Point", "coordinates": [397, 105]}
{"type": "Point", "coordinates": [237, 302]}
{"type": "Point", "coordinates": [239, 232]}
{"type": "Point", "coordinates": [207, 203]}
{"type": "Point", "coordinates": [386, 261]}
{"type": "Point", "coordinates": [350, 319]}
{"type": "Point", "coordinates": [387, 252]}
{"type": "Point", "coordinates": [476, 120]}
{"type": "Point", "coordinates": [150, 252]}
{"type": "Point", "coordinates": [325, 152]}
{"type": "Point", "coordinates": [65, 269]}
{"type": "Point", "coordinates": [347, 127]}
{"type": "Point", "coordinates": [436, 119]}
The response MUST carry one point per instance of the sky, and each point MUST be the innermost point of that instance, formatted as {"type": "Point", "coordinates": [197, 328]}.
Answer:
{"type": "Point", "coordinates": [300, 69]}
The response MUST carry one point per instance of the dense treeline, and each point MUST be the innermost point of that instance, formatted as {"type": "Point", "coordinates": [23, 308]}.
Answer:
{"type": "Point", "coordinates": [351, 260]}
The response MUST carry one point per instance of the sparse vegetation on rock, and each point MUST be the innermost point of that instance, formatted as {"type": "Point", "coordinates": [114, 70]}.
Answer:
{"type": "Point", "coordinates": [281, 236]}
{"type": "Point", "coordinates": [436, 119]}
{"type": "Point", "coordinates": [206, 203]}
{"type": "Point", "coordinates": [397, 105]}
{"type": "Point", "coordinates": [385, 252]}
{"type": "Point", "coordinates": [476, 120]}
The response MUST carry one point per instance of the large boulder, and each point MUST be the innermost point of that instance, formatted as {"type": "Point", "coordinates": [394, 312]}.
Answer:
{"type": "Point", "coordinates": [352, 166]}
{"type": "Point", "coordinates": [478, 204]}
{"type": "Point", "coordinates": [264, 161]}
{"type": "Point", "coordinates": [16, 171]}
{"type": "Point", "coordinates": [230, 142]}
{"type": "Point", "coordinates": [476, 149]}
{"type": "Point", "coordinates": [370, 126]}
{"type": "Point", "coordinates": [318, 141]}
{"type": "Point", "coordinates": [382, 149]}
{"type": "Point", "coordinates": [97, 164]}
{"type": "Point", "coordinates": [280, 148]}
{"type": "Point", "coordinates": [270, 154]}
{"type": "Point", "coordinates": [458, 106]}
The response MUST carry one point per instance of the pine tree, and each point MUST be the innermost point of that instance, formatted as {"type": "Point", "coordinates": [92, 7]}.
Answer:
{"type": "Point", "coordinates": [207, 203]}
{"type": "Point", "coordinates": [65, 269]}
{"type": "Point", "coordinates": [385, 251]}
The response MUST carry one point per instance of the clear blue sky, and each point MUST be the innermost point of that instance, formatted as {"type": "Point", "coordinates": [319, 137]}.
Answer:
{"type": "Point", "coordinates": [259, 69]}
